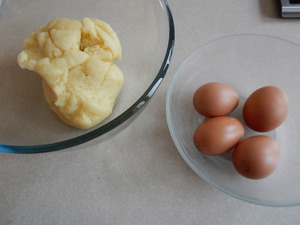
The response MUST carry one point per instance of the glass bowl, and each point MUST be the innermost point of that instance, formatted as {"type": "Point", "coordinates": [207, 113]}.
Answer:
{"type": "Point", "coordinates": [27, 124]}
{"type": "Point", "coordinates": [245, 62]}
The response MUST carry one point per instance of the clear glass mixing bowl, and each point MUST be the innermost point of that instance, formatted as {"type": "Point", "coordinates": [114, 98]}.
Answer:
{"type": "Point", "coordinates": [244, 62]}
{"type": "Point", "coordinates": [27, 125]}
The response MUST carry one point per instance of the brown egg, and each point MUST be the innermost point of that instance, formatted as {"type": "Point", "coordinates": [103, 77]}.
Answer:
{"type": "Point", "coordinates": [256, 157]}
{"type": "Point", "coordinates": [218, 135]}
{"type": "Point", "coordinates": [215, 99]}
{"type": "Point", "coordinates": [265, 109]}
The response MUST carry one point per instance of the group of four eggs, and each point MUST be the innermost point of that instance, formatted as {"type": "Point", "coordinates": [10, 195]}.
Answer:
{"type": "Point", "coordinates": [265, 109]}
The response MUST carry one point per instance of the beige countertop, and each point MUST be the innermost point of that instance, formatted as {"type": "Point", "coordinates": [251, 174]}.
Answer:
{"type": "Point", "coordinates": [138, 176]}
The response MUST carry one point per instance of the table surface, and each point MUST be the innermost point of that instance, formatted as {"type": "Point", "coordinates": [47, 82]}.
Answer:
{"type": "Point", "coordinates": [135, 178]}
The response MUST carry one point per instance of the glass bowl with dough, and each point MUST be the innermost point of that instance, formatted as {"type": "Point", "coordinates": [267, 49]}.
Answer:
{"type": "Point", "coordinates": [76, 74]}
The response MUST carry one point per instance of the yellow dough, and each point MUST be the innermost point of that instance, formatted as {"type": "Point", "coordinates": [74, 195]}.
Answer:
{"type": "Point", "coordinates": [75, 60]}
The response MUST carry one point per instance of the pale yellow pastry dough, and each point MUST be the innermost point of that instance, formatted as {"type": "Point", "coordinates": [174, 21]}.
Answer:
{"type": "Point", "coordinates": [75, 60]}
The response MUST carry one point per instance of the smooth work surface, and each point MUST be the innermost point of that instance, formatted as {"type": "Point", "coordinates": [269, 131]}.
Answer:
{"type": "Point", "coordinates": [138, 177]}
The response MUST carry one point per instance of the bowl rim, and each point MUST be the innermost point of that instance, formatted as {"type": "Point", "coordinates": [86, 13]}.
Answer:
{"type": "Point", "coordinates": [176, 142]}
{"type": "Point", "coordinates": [132, 110]}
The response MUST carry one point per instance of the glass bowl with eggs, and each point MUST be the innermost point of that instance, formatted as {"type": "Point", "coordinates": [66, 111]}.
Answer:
{"type": "Point", "coordinates": [75, 73]}
{"type": "Point", "coordinates": [233, 115]}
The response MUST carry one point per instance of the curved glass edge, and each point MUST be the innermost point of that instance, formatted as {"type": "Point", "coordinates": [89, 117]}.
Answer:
{"type": "Point", "coordinates": [186, 157]}
{"type": "Point", "coordinates": [137, 106]}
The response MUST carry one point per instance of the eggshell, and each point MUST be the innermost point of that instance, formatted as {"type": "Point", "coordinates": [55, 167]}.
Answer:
{"type": "Point", "coordinates": [256, 157]}
{"type": "Point", "coordinates": [215, 99]}
{"type": "Point", "coordinates": [218, 135]}
{"type": "Point", "coordinates": [265, 109]}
